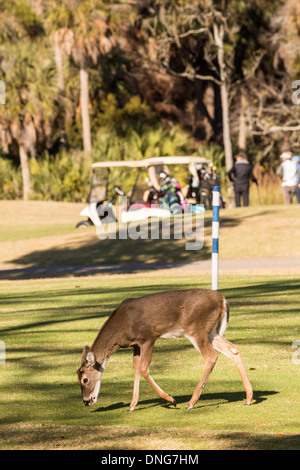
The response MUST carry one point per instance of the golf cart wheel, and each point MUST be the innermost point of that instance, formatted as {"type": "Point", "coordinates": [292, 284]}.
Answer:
{"type": "Point", "coordinates": [84, 224]}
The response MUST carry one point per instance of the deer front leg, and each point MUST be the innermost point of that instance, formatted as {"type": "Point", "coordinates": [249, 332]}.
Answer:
{"type": "Point", "coordinates": [146, 355]}
{"type": "Point", "coordinates": [136, 371]}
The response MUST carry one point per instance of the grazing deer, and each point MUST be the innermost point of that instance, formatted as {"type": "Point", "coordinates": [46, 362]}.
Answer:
{"type": "Point", "coordinates": [200, 315]}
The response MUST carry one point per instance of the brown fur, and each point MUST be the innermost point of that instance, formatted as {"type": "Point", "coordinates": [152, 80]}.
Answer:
{"type": "Point", "coordinates": [138, 323]}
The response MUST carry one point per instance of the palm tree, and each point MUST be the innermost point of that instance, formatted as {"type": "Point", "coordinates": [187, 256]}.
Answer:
{"type": "Point", "coordinates": [25, 117]}
{"type": "Point", "coordinates": [31, 94]}
{"type": "Point", "coordinates": [79, 28]}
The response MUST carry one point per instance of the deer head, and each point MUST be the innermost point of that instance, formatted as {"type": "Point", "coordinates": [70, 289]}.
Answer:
{"type": "Point", "coordinates": [89, 376]}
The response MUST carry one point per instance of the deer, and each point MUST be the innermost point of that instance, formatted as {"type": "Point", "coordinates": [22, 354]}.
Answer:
{"type": "Point", "coordinates": [200, 315]}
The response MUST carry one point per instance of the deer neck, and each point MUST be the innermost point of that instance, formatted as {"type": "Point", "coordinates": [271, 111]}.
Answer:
{"type": "Point", "coordinates": [106, 343]}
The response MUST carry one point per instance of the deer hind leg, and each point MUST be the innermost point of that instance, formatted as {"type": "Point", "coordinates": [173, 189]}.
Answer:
{"type": "Point", "coordinates": [231, 350]}
{"type": "Point", "coordinates": [210, 358]}
{"type": "Point", "coordinates": [136, 371]}
{"type": "Point", "coordinates": [146, 356]}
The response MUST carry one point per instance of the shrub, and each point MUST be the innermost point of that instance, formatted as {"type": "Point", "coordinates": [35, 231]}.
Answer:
{"type": "Point", "coordinates": [10, 180]}
{"type": "Point", "coordinates": [65, 177]}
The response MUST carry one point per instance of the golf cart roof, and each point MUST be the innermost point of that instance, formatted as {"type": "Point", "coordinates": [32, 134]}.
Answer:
{"type": "Point", "coordinates": [152, 162]}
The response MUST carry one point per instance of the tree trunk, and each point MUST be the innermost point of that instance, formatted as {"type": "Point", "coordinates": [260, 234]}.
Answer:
{"type": "Point", "coordinates": [204, 120]}
{"type": "Point", "coordinates": [218, 37]}
{"type": "Point", "coordinates": [61, 85]}
{"type": "Point", "coordinates": [59, 61]}
{"type": "Point", "coordinates": [38, 6]}
{"type": "Point", "coordinates": [84, 102]}
{"type": "Point", "coordinates": [218, 126]}
{"type": "Point", "coordinates": [226, 126]}
{"type": "Point", "coordinates": [25, 171]}
{"type": "Point", "coordinates": [242, 125]}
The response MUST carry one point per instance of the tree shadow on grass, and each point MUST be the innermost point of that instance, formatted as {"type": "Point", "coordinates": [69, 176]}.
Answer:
{"type": "Point", "coordinates": [263, 288]}
{"type": "Point", "coordinates": [248, 441]}
{"type": "Point", "coordinates": [79, 258]}
{"type": "Point", "coordinates": [92, 251]}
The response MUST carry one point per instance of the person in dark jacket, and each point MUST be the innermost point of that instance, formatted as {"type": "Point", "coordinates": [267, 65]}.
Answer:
{"type": "Point", "coordinates": [240, 174]}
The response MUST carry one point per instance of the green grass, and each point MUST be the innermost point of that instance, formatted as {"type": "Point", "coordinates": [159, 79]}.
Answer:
{"type": "Point", "coordinates": [36, 219]}
{"type": "Point", "coordinates": [46, 323]}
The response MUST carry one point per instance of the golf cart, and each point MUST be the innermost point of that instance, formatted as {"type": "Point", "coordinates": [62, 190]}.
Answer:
{"type": "Point", "coordinates": [150, 189]}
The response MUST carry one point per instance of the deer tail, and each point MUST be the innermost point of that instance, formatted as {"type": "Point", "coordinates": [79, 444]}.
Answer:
{"type": "Point", "coordinates": [224, 319]}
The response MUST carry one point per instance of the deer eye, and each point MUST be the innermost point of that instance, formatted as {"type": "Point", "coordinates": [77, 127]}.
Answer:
{"type": "Point", "coordinates": [85, 380]}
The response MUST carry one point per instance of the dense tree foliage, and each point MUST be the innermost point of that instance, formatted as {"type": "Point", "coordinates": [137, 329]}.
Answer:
{"type": "Point", "coordinates": [96, 79]}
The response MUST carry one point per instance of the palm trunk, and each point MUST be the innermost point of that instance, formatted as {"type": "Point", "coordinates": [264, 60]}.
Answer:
{"type": "Point", "coordinates": [84, 101]}
{"type": "Point", "coordinates": [61, 85]}
{"type": "Point", "coordinates": [25, 171]}
{"type": "Point", "coordinates": [59, 62]}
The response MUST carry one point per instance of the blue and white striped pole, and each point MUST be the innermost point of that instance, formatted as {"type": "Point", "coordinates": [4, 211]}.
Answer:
{"type": "Point", "coordinates": [215, 239]}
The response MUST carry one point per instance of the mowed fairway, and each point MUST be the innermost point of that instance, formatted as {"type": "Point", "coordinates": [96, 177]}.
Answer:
{"type": "Point", "coordinates": [45, 324]}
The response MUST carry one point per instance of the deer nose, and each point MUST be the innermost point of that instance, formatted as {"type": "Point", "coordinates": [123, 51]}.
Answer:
{"type": "Point", "coordinates": [86, 402]}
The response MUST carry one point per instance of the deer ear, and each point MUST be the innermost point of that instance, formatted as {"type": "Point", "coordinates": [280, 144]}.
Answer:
{"type": "Point", "coordinates": [85, 352]}
{"type": "Point", "coordinates": [90, 358]}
